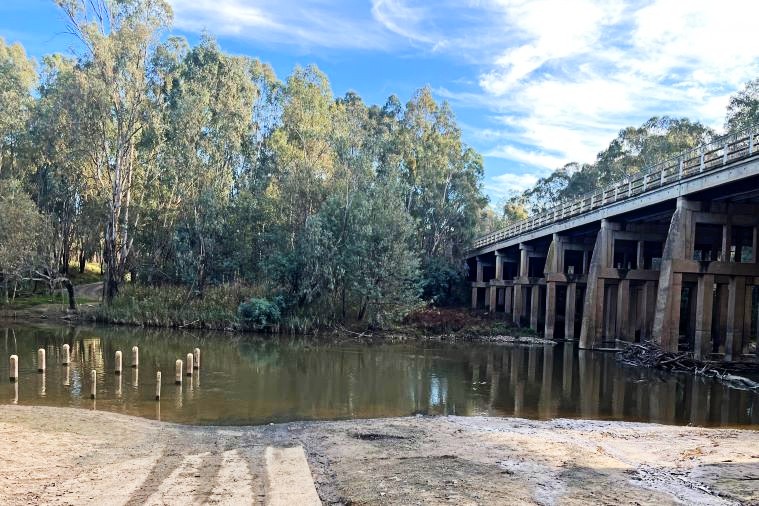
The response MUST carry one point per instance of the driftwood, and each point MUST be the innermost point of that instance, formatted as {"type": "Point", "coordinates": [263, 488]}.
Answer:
{"type": "Point", "coordinates": [650, 355]}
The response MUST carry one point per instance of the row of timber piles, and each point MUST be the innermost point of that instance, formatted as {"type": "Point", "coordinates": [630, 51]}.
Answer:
{"type": "Point", "coordinates": [687, 282]}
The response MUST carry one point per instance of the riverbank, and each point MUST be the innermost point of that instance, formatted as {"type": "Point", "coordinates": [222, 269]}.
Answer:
{"type": "Point", "coordinates": [70, 456]}
{"type": "Point", "coordinates": [218, 314]}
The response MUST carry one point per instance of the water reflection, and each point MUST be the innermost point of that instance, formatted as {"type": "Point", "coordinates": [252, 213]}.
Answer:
{"type": "Point", "coordinates": [257, 380]}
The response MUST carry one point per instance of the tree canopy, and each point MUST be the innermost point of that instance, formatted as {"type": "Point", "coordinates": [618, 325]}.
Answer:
{"type": "Point", "coordinates": [185, 165]}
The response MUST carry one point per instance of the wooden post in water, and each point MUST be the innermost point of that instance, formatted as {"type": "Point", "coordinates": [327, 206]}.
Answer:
{"type": "Point", "coordinates": [41, 360]}
{"type": "Point", "coordinates": [118, 362]}
{"type": "Point", "coordinates": [178, 373]}
{"type": "Point", "coordinates": [158, 386]}
{"type": "Point", "coordinates": [94, 386]}
{"type": "Point", "coordinates": [135, 356]}
{"type": "Point", "coordinates": [66, 354]}
{"type": "Point", "coordinates": [189, 364]}
{"type": "Point", "coordinates": [196, 352]}
{"type": "Point", "coordinates": [13, 368]}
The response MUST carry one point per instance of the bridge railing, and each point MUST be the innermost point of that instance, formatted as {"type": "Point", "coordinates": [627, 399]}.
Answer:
{"type": "Point", "coordinates": [689, 164]}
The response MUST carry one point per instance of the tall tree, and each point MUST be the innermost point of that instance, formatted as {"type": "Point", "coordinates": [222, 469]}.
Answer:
{"type": "Point", "coordinates": [59, 187]}
{"type": "Point", "coordinates": [119, 37]}
{"type": "Point", "coordinates": [17, 78]}
{"type": "Point", "coordinates": [301, 149]}
{"type": "Point", "coordinates": [206, 128]}
{"type": "Point", "coordinates": [22, 229]}
{"type": "Point", "coordinates": [443, 178]}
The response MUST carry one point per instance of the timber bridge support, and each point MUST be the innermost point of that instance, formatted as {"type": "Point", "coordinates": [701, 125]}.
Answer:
{"type": "Point", "coordinates": [669, 255]}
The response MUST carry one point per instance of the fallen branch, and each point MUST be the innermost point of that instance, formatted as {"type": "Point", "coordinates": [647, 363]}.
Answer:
{"type": "Point", "coordinates": [358, 335]}
{"type": "Point", "coordinates": [650, 355]}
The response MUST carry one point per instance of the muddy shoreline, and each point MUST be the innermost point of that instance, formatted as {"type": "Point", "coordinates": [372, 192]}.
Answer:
{"type": "Point", "coordinates": [76, 456]}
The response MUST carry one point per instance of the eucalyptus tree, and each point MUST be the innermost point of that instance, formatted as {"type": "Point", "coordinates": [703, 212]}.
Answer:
{"type": "Point", "coordinates": [632, 151]}
{"type": "Point", "coordinates": [17, 79]}
{"type": "Point", "coordinates": [443, 175]}
{"type": "Point", "coordinates": [355, 257]}
{"type": "Point", "coordinates": [743, 108]}
{"type": "Point", "coordinates": [302, 156]}
{"type": "Point", "coordinates": [118, 38]}
{"type": "Point", "coordinates": [656, 140]}
{"type": "Point", "coordinates": [58, 159]}
{"type": "Point", "coordinates": [443, 193]}
{"type": "Point", "coordinates": [22, 229]}
{"type": "Point", "coordinates": [206, 125]}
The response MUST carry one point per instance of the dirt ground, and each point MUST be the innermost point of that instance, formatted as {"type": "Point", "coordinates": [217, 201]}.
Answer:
{"type": "Point", "coordinates": [70, 456]}
{"type": "Point", "coordinates": [86, 295]}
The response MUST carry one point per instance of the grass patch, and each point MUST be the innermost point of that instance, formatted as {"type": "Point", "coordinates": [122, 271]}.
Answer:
{"type": "Point", "coordinates": [175, 306]}
{"type": "Point", "coordinates": [25, 301]}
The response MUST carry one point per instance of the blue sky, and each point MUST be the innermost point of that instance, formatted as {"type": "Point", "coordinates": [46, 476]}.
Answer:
{"type": "Point", "coordinates": [534, 84]}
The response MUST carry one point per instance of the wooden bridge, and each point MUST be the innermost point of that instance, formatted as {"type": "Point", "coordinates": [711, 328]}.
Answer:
{"type": "Point", "coordinates": [668, 255]}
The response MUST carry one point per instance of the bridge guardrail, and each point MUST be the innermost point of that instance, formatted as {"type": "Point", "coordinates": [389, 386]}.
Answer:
{"type": "Point", "coordinates": [689, 164]}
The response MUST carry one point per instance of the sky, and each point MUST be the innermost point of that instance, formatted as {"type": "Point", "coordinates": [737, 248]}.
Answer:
{"type": "Point", "coordinates": [533, 84]}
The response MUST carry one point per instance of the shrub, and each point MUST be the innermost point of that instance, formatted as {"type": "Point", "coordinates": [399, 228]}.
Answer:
{"type": "Point", "coordinates": [260, 313]}
{"type": "Point", "coordinates": [443, 283]}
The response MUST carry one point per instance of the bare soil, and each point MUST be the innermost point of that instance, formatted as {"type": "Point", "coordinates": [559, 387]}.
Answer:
{"type": "Point", "coordinates": [84, 294]}
{"type": "Point", "coordinates": [70, 456]}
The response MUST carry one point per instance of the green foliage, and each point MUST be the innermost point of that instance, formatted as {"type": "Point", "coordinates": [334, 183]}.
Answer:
{"type": "Point", "coordinates": [22, 232]}
{"type": "Point", "coordinates": [261, 313]}
{"type": "Point", "coordinates": [91, 273]}
{"type": "Point", "coordinates": [17, 77]}
{"type": "Point", "coordinates": [743, 109]}
{"type": "Point", "coordinates": [444, 284]}
{"type": "Point", "coordinates": [443, 178]}
{"type": "Point", "coordinates": [177, 306]}
{"type": "Point", "coordinates": [633, 150]}
{"type": "Point", "coordinates": [197, 175]}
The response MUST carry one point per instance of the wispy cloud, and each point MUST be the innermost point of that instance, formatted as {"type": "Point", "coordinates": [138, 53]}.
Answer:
{"type": "Point", "coordinates": [532, 158]}
{"type": "Point", "coordinates": [505, 185]}
{"type": "Point", "coordinates": [305, 23]}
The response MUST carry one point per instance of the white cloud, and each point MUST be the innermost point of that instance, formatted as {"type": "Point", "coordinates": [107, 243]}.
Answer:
{"type": "Point", "coordinates": [403, 19]}
{"type": "Point", "coordinates": [532, 158]}
{"type": "Point", "coordinates": [581, 71]}
{"type": "Point", "coordinates": [504, 185]}
{"type": "Point", "coordinates": [552, 29]}
{"type": "Point", "coordinates": [306, 23]}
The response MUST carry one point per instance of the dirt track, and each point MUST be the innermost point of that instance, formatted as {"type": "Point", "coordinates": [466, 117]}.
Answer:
{"type": "Point", "coordinates": [68, 456]}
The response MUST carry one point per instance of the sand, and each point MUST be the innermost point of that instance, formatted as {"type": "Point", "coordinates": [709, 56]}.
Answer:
{"type": "Point", "coordinates": [74, 456]}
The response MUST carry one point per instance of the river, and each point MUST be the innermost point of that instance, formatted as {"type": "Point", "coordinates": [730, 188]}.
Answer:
{"type": "Point", "coordinates": [248, 379]}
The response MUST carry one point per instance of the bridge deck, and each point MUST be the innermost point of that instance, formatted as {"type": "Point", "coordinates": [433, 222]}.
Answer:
{"type": "Point", "coordinates": [725, 160]}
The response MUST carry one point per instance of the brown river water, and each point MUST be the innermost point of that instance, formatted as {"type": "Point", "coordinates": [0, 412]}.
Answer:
{"type": "Point", "coordinates": [248, 379]}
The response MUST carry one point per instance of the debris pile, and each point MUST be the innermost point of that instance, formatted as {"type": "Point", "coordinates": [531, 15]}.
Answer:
{"type": "Point", "coordinates": [650, 355]}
